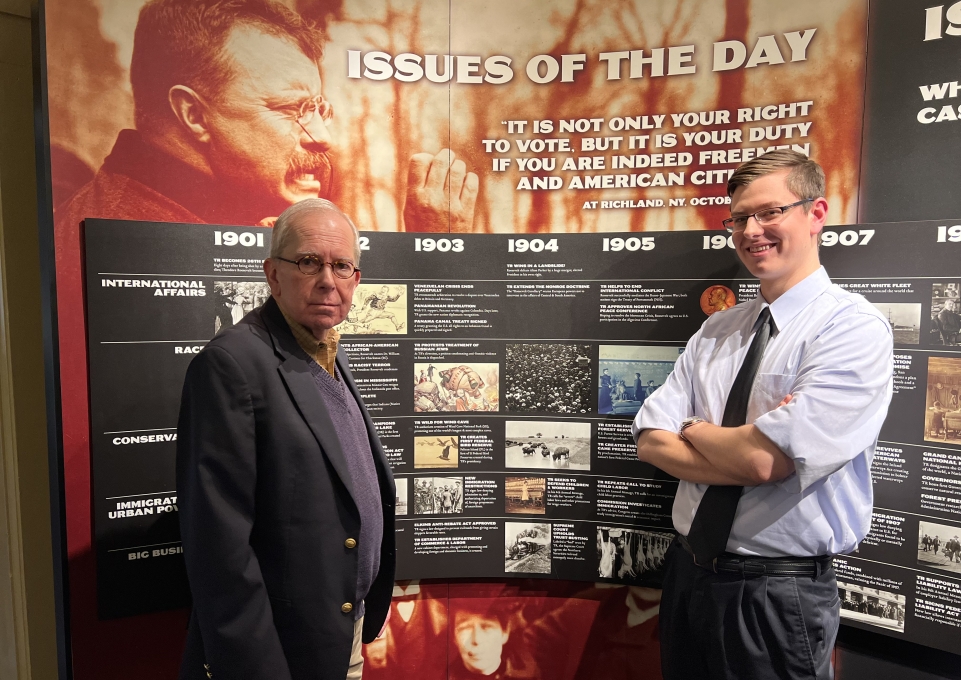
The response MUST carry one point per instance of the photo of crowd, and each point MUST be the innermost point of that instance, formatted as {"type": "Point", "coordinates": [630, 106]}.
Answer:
{"type": "Point", "coordinates": [527, 548]}
{"type": "Point", "coordinates": [942, 419]}
{"type": "Point", "coordinates": [939, 546]}
{"type": "Point", "coordinates": [629, 374]}
{"type": "Point", "coordinates": [455, 387]}
{"type": "Point", "coordinates": [548, 378]}
{"type": "Point", "coordinates": [438, 495]}
{"type": "Point", "coordinates": [233, 300]}
{"type": "Point", "coordinates": [873, 606]}
{"type": "Point", "coordinates": [376, 309]}
{"type": "Point", "coordinates": [945, 314]}
{"type": "Point", "coordinates": [525, 495]}
{"type": "Point", "coordinates": [545, 444]}
{"type": "Point", "coordinates": [905, 320]}
{"type": "Point", "coordinates": [629, 554]}
{"type": "Point", "coordinates": [435, 451]}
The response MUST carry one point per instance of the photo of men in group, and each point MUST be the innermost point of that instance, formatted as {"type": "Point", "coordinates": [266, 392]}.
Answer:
{"type": "Point", "coordinates": [443, 386]}
{"type": "Point", "coordinates": [872, 606]}
{"type": "Point", "coordinates": [942, 419]}
{"type": "Point", "coordinates": [527, 548]}
{"type": "Point", "coordinates": [376, 310]}
{"type": "Point", "coordinates": [525, 495]}
{"type": "Point", "coordinates": [400, 496]}
{"type": "Point", "coordinates": [945, 314]}
{"type": "Point", "coordinates": [547, 444]}
{"type": "Point", "coordinates": [629, 554]}
{"type": "Point", "coordinates": [432, 451]}
{"type": "Point", "coordinates": [548, 378]}
{"type": "Point", "coordinates": [905, 320]}
{"type": "Point", "coordinates": [233, 300]}
{"type": "Point", "coordinates": [939, 546]}
{"type": "Point", "coordinates": [438, 495]}
{"type": "Point", "coordinates": [629, 374]}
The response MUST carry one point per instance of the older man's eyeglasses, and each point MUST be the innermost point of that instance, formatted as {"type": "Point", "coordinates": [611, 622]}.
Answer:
{"type": "Point", "coordinates": [311, 266]}
{"type": "Point", "coordinates": [765, 217]}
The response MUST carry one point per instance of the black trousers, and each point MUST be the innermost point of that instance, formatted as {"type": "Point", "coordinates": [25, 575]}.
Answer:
{"type": "Point", "coordinates": [725, 626]}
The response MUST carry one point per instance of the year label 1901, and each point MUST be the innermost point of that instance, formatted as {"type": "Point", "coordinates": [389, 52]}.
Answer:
{"type": "Point", "coordinates": [232, 238]}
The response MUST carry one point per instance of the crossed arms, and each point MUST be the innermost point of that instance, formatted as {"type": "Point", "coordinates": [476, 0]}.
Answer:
{"type": "Point", "coordinates": [732, 456]}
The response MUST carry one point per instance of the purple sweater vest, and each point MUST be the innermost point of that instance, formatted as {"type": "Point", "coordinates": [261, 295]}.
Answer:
{"type": "Point", "coordinates": [352, 434]}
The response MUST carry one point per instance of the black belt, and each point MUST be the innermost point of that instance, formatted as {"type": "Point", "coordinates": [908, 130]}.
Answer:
{"type": "Point", "coordinates": [772, 566]}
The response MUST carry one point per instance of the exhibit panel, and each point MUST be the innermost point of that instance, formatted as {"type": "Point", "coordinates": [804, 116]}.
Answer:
{"type": "Point", "coordinates": [502, 374]}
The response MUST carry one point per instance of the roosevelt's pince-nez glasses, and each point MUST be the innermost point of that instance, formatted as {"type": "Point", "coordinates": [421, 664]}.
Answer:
{"type": "Point", "coordinates": [311, 266]}
{"type": "Point", "coordinates": [303, 113]}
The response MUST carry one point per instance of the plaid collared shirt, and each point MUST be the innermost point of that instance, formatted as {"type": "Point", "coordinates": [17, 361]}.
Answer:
{"type": "Point", "coordinates": [324, 353]}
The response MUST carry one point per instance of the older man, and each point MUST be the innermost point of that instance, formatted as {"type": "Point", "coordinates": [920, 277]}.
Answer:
{"type": "Point", "coordinates": [286, 498]}
{"type": "Point", "coordinates": [769, 419]}
{"type": "Point", "coordinates": [231, 126]}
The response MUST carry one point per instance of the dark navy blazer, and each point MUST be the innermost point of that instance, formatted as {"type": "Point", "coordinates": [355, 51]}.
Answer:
{"type": "Point", "coordinates": [266, 512]}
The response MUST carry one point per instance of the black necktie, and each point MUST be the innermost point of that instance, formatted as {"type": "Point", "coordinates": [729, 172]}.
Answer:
{"type": "Point", "coordinates": [715, 515]}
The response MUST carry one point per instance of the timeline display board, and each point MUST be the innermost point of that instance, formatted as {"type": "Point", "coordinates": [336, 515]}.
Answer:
{"type": "Point", "coordinates": [503, 373]}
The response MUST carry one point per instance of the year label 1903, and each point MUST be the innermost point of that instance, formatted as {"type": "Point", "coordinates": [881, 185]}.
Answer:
{"type": "Point", "coordinates": [444, 245]}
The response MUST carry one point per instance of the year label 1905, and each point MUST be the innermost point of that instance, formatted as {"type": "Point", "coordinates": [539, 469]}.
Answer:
{"type": "Point", "coordinates": [616, 244]}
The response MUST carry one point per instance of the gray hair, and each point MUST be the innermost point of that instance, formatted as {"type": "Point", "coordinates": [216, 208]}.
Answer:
{"type": "Point", "coordinates": [283, 227]}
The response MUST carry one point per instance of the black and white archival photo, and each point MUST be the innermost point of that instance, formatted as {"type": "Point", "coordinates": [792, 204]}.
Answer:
{"type": "Point", "coordinates": [527, 548]}
{"type": "Point", "coordinates": [629, 554]}
{"type": "Point", "coordinates": [872, 606]}
{"type": "Point", "coordinates": [438, 495]}
{"type": "Point", "coordinates": [547, 444]}
{"type": "Point", "coordinates": [525, 495]}
{"type": "Point", "coordinates": [435, 452]}
{"type": "Point", "coordinates": [548, 378]}
{"type": "Point", "coordinates": [905, 320]}
{"type": "Point", "coordinates": [400, 495]}
{"type": "Point", "coordinates": [945, 314]}
{"type": "Point", "coordinates": [233, 300]}
{"type": "Point", "coordinates": [939, 546]}
{"type": "Point", "coordinates": [377, 309]}
{"type": "Point", "coordinates": [629, 374]}
{"type": "Point", "coordinates": [942, 416]}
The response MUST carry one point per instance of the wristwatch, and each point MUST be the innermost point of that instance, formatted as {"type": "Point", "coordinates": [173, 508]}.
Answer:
{"type": "Point", "coordinates": [686, 423]}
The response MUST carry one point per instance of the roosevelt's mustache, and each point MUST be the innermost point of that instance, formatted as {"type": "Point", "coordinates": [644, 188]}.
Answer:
{"type": "Point", "coordinates": [310, 162]}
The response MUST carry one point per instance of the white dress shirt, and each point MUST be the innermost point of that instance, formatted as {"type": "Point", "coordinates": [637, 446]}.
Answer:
{"type": "Point", "coordinates": [834, 352]}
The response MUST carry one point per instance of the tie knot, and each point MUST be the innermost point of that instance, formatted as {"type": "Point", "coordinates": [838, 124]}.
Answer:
{"type": "Point", "coordinates": [765, 319]}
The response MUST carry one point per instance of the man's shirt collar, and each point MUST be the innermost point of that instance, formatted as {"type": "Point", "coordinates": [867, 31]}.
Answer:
{"type": "Point", "coordinates": [323, 352]}
{"type": "Point", "coordinates": [795, 299]}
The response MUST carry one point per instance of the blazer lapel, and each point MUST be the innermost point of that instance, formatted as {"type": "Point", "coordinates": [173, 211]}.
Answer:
{"type": "Point", "coordinates": [296, 375]}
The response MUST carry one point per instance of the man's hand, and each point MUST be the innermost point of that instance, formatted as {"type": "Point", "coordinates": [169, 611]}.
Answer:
{"type": "Point", "coordinates": [441, 194]}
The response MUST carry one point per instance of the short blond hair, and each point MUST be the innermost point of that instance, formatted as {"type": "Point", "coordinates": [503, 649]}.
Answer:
{"type": "Point", "coordinates": [806, 179]}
